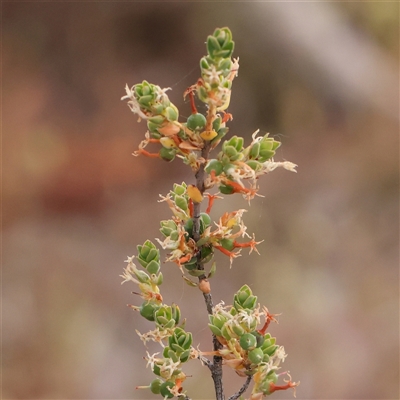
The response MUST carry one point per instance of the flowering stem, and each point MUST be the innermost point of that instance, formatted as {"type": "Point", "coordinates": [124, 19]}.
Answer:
{"type": "Point", "coordinates": [216, 366]}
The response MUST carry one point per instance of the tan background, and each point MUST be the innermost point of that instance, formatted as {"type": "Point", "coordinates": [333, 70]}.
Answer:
{"type": "Point", "coordinates": [322, 77]}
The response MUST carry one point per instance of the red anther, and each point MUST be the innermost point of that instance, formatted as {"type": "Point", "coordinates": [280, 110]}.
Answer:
{"type": "Point", "coordinates": [153, 140]}
{"type": "Point", "coordinates": [226, 117]}
{"type": "Point", "coordinates": [191, 208]}
{"type": "Point", "coordinates": [147, 154]}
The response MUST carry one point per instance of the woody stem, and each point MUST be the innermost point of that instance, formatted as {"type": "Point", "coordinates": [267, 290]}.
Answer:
{"type": "Point", "coordinates": [216, 366]}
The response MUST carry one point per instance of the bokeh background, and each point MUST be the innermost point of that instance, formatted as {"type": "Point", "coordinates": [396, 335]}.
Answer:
{"type": "Point", "coordinates": [322, 77]}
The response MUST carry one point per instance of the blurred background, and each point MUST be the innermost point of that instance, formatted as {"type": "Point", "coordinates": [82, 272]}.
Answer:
{"type": "Point", "coordinates": [321, 77]}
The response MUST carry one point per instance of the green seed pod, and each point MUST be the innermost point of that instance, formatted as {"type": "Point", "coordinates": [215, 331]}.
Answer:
{"type": "Point", "coordinates": [248, 342]}
{"type": "Point", "coordinates": [155, 386]}
{"type": "Point", "coordinates": [164, 389]}
{"type": "Point", "coordinates": [226, 189]}
{"type": "Point", "coordinates": [228, 244]}
{"type": "Point", "coordinates": [214, 165]}
{"type": "Point", "coordinates": [256, 356]}
{"type": "Point", "coordinates": [167, 154]}
{"type": "Point", "coordinates": [147, 310]}
{"type": "Point", "coordinates": [196, 122]}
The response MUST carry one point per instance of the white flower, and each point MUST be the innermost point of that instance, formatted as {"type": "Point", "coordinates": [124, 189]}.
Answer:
{"type": "Point", "coordinates": [133, 103]}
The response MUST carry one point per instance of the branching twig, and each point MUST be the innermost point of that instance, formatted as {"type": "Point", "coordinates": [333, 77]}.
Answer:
{"type": "Point", "coordinates": [242, 389]}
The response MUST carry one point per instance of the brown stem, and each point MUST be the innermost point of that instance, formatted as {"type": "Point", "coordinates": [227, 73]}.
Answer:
{"type": "Point", "coordinates": [216, 366]}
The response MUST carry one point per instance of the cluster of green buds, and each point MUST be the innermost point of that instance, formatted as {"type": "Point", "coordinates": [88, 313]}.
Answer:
{"type": "Point", "coordinates": [178, 343]}
{"type": "Point", "coordinates": [235, 163]}
{"type": "Point", "coordinates": [217, 70]}
{"type": "Point", "coordinates": [247, 349]}
{"type": "Point", "coordinates": [168, 367]}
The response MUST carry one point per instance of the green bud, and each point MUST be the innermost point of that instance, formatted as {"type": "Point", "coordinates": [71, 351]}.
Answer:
{"type": "Point", "coordinates": [248, 342]}
{"type": "Point", "coordinates": [167, 227]}
{"type": "Point", "coordinates": [217, 124]}
{"type": "Point", "coordinates": [167, 154]}
{"type": "Point", "coordinates": [216, 331]}
{"type": "Point", "coordinates": [256, 356]}
{"type": "Point", "coordinates": [155, 386]}
{"type": "Point", "coordinates": [228, 244]}
{"type": "Point", "coordinates": [171, 113]}
{"type": "Point", "coordinates": [205, 219]}
{"type": "Point", "coordinates": [254, 165]}
{"type": "Point", "coordinates": [157, 120]}
{"type": "Point", "coordinates": [181, 202]}
{"type": "Point", "coordinates": [231, 152]}
{"type": "Point", "coordinates": [196, 122]}
{"type": "Point", "coordinates": [213, 46]}
{"type": "Point", "coordinates": [179, 189]}
{"type": "Point", "coordinates": [254, 150]}
{"type": "Point", "coordinates": [259, 337]}
{"type": "Point", "coordinates": [204, 64]}
{"type": "Point", "coordinates": [165, 317]}
{"type": "Point", "coordinates": [147, 310]}
{"type": "Point", "coordinates": [244, 299]}
{"type": "Point", "coordinates": [207, 253]}
{"type": "Point", "coordinates": [153, 267]}
{"type": "Point", "coordinates": [214, 165]}
{"type": "Point", "coordinates": [164, 389]}
{"type": "Point", "coordinates": [238, 330]}
{"type": "Point", "coordinates": [226, 189]}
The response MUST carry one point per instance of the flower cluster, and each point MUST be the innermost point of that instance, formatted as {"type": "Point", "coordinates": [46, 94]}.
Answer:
{"type": "Point", "coordinates": [246, 349]}
{"type": "Point", "coordinates": [235, 163]}
{"type": "Point", "coordinates": [178, 231]}
{"type": "Point", "coordinates": [176, 342]}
